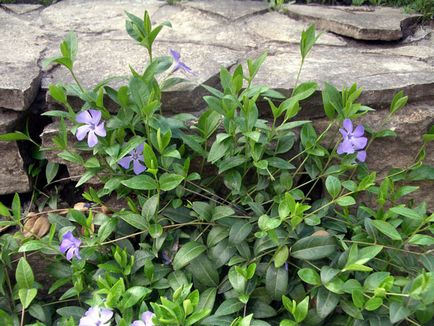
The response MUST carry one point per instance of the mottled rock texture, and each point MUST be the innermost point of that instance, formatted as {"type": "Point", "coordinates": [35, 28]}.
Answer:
{"type": "Point", "coordinates": [215, 33]}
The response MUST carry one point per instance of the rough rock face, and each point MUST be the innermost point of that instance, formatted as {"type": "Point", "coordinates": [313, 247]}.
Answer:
{"type": "Point", "coordinates": [13, 177]}
{"type": "Point", "coordinates": [214, 33]}
{"type": "Point", "coordinates": [399, 152]}
{"type": "Point", "coordinates": [373, 24]}
{"type": "Point", "coordinates": [19, 54]}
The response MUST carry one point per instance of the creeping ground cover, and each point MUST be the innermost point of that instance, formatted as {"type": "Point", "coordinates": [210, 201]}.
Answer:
{"type": "Point", "coordinates": [243, 215]}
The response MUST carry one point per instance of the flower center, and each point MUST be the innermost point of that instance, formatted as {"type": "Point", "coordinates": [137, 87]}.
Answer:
{"type": "Point", "coordinates": [135, 156]}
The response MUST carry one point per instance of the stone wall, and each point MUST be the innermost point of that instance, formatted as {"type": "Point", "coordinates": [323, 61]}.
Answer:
{"type": "Point", "coordinates": [209, 34]}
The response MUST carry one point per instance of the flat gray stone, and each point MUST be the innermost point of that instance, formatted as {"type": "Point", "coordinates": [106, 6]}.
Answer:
{"type": "Point", "coordinates": [229, 9]}
{"type": "Point", "coordinates": [379, 75]}
{"type": "Point", "coordinates": [101, 59]}
{"type": "Point", "coordinates": [413, 51]}
{"type": "Point", "coordinates": [361, 23]}
{"type": "Point", "coordinates": [21, 9]}
{"type": "Point", "coordinates": [277, 27]}
{"type": "Point", "coordinates": [8, 120]}
{"type": "Point", "coordinates": [13, 177]}
{"type": "Point", "coordinates": [200, 27]}
{"type": "Point", "coordinates": [98, 17]}
{"type": "Point", "coordinates": [19, 54]}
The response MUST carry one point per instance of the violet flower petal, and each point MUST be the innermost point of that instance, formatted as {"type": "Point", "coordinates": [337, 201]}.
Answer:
{"type": "Point", "coordinates": [92, 140]}
{"type": "Point", "coordinates": [147, 318]}
{"type": "Point", "coordinates": [82, 132]}
{"type": "Point", "coordinates": [106, 315]}
{"type": "Point", "coordinates": [138, 323]}
{"type": "Point", "coordinates": [96, 116]}
{"type": "Point", "coordinates": [125, 162]}
{"type": "Point", "coordinates": [83, 117]}
{"type": "Point", "coordinates": [100, 130]}
{"type": "Point", "coordinates": [359, 142]}
{"type": "Point", "coordinates": [175, 55]}
{"type": "Point", "coordinates": [139, 149]}
{"type": "Point", "coordinates": [138, 167]}
{"type": "Point", "coordinates": [358, 131]}
{"type": "Point", "coordinates": [348, 125]}
{"type": "Point", "coordinates": [361, 156]}
{"type": "Point", "coordinates": [347, 146]}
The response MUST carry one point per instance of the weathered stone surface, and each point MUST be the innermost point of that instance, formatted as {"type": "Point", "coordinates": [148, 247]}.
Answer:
{"type": "Point", "coordinates": [274, 26]}
{"type": "Point", "coordinates": [100, 16]}
{"type": "Point", "coordinates": [19, 54]}
{"type": "Point", "coordinates": [379, 75]}
{"type": "Point", "coordinates": [193, 26]}
{"type": "Point", "coordinates": [13, 177]}
{"type": "Point", "coordinates": [420, 51]}
{"type": "Point", "coordinates": [21, 9]}
{"type": "Point", "coordinates": [100, 59]}
{"type": "Point", "coordinates": [361, 23]}
{"type": "Point", "coordinates": [399, 152]}
{"type": "Point", "coordinates": [230, 9]}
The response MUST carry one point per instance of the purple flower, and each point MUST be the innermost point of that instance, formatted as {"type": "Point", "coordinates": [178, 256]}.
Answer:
{"type": "Point", "coordinates": [146, 320]}
{"type": "Point", "coordinates": [178, 63]}
{"type": "Point", "coordinates": [70, 245]}
{"type": "Point", "coordinates": [96, 317]}
{"type": "Point", "coordinates": [92, 126]}
{"type": "Point", "coordinates": [353, 140]}
{"type": "Point", "coordinates": [135, 156]}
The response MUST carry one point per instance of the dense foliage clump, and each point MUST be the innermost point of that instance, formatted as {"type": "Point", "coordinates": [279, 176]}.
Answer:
{"type": "Point", "coordinates": [227, 218]}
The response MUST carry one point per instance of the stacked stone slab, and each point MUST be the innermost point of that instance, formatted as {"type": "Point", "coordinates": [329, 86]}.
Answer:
{"type": "Point", "coordinates": [214, 33]}
{"type": "Point", "coordinates": [20, 77]}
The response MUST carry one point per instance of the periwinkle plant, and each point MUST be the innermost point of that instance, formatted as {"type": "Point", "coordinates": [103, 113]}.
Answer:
{"type": "Point", "coordinates": [219, 225]}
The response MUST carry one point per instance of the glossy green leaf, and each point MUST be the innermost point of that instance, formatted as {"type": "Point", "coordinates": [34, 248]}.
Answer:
{"type": "Point", "coordinates": [187, 253]}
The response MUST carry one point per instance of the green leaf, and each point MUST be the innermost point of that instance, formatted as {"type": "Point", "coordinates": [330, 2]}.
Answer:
{"type": "Point", "coordinates": [51, 171]}
{"type": "Point", "coordinates": [217, 151]}
{"type": "Point", "coordinates": [16, 207]}
{"type": "Point", "coordinates": [307, 41]}
{"type": "Point", "coordinates": [24, 275]}
{"type": "Point", "coordinates": [204, 271]}
{"type": "Point", "coordinates": [13, 136]}
{"type": "Point", "coordinates": [135, 220]}
{"type": "Point", "coordinates": [313, 247]}
{"type": "Point", "coordinates": [301, 310]}
{"type": "Point", "coordinates": [406, 212]}
{"type": "Point", "coordinates": [221, 212]}
{"type": "Point", "coordinates": [4, 211]}
{"type": "Point", "coordinates": [229, 307]}
{"type": "Point", "coordinates": [187, 253]}
{"type": "Point", "coordinates": [333, 186]}
{"type": "Point", "coordinates": [170, 181]}
{"type": "Point", "coordinates": [387, 229]}
{"type": "Point", "coordinates": [351, 310]}
{"type": "Point", "coordinates": [57, 92]}
{"type": "Point", "coordinates": [281, 256]}
{"type": "Point", "coordinates": [345, 201]}
{"type": "Point", "coordinates": [309, 276]}
{"type": "Point", "coordinates": [398, 312]}
{"type": "Point", "coordinates": [373, 304]}
{"type": "Point", "coordinates": [276, 282]}
{"type": "Point", "coordinates": [133, 295]}
{"type": "Point", "coordinates": [32, 245]}
{"type": "Point", "coordinates": [240, 230]}
{"type": "Point", "coordinates": [141, 182]}
{"type": "Point", "coordinates": [326, 302]}
{"type": "Point", "coordinates": [422, 240]}
{"type": "Point", "coordinates": [207, 299]}
{"type": "Point", "coordinates": [26, 296]}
